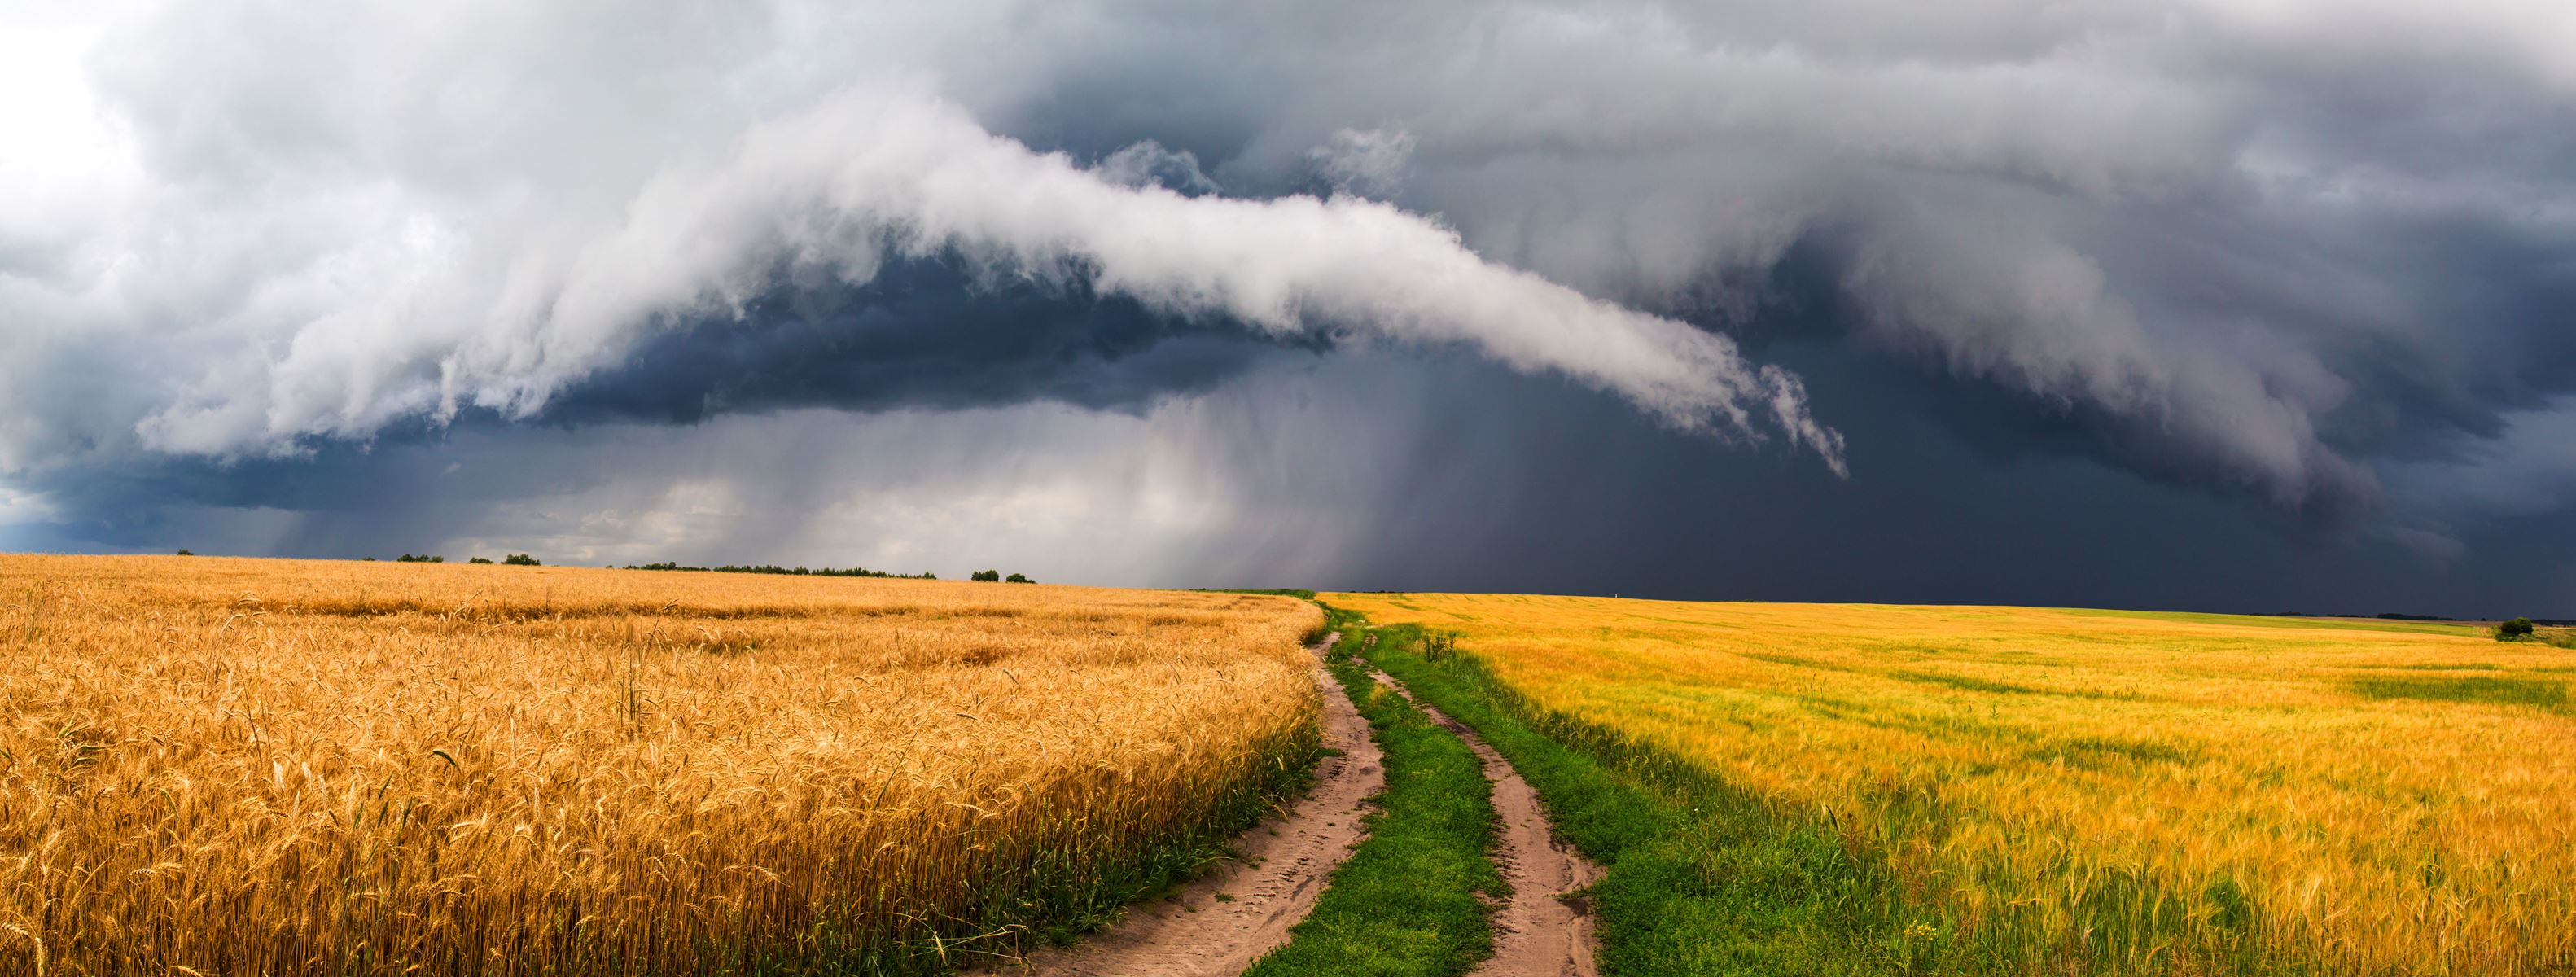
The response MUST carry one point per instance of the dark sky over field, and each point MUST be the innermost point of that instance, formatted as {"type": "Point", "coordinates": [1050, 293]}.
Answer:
{"type": "Point", "coordinates": [2217, 305]}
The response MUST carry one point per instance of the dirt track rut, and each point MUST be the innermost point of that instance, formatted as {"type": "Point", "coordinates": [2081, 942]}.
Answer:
{"type": "Point", "coordinates": [1545, 930]}
{"type": "Point", "coordinates": [1220, 924]}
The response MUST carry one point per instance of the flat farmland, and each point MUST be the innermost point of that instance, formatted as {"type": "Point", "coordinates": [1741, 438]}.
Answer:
{"type": "Point", "coordinates": [215, 766]}
{"type": "Point", "coordinates": [2100, 791]}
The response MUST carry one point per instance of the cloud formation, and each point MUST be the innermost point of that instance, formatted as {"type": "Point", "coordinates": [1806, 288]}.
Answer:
{"type": "Point", "coordinates": [2307, 258]}
{"type": "Point", "coordinates": [402, 298]}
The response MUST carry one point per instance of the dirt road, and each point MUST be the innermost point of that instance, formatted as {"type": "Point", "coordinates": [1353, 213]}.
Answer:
{"type": "Point", "coordinates": [1543, 931]}
{"type": "Point", "coordinates": [1218, 925]}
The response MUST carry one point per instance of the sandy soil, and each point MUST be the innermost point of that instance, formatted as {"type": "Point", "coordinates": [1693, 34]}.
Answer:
{"type": "Point", "coordinates": [1544, 931]}
{"type": "Point", "coordinates": [1220, 924]}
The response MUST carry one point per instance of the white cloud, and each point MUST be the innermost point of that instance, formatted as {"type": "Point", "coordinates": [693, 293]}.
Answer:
{"type": "Point", "coordinates": [332, 274]}
{"type": "Point", "coordinates": [1153, 499]}
{"type": "Point", "coordinates": [378, 333]}
{"type": "Point", "coordinates": [1367, 163]}
{"type": "Point", "coordinates": [241, 227]}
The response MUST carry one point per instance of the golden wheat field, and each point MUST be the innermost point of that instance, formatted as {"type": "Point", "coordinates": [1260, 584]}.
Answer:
{"type": "Point", "coordinates": [216, 766]}
{"type": "Point", "coordinates": [2371, 797]}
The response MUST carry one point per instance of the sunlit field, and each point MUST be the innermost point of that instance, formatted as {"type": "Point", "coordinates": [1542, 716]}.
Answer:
{"type": "Point", "coordinates": [2356, 797]}
{"type": "Point", "coordinates": [265, 767]}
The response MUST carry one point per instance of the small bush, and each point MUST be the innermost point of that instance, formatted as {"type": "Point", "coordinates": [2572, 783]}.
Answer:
{"type": "Point", "coordinates": [1017, 578]}
{"type": "Point", "coordinates": [1440, 646]}
{"type": "Point", "coordinates": [480, 559]}
{"type": "Point", "coordinates": [990, 576]}
{"type": "Point", "coordinates": [186, 553]}
{"type": "Point", "coordinates": [2517, 628]}
{"type": "Point", "coordinates": [423, 558]}
{"type": "Point", "coordinates": [520, 560]}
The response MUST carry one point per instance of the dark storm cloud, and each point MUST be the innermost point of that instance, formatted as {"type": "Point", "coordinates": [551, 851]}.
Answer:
{"type": "Point", "coordinates": [1364, 471]}
{"type": "Point", "coordinates": [922, 334]}
{"type": "Point", "coordinates": [2296, 269]}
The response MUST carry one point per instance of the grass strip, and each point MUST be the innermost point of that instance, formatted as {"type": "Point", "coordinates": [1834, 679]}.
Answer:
{"type": "Point", "coordinates": [1690, 888]}
{"type": "Point", "coordinates": [1704, 877]}
{"type": "Point", "coordinates": [1412, 901]}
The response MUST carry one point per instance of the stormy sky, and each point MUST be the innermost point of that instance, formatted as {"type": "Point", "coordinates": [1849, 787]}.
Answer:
{"type": "Point", "coordinates": [2254, 305]}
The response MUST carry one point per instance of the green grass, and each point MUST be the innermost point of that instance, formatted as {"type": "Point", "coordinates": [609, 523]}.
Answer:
{"type": "Point", "coordinates": [2094, 753]}
{"type": "Point", "coordinates": [1964, 682]}
{"type": "Point", "coordinates": [1411, 901]}
{"type": "Point", "coordinates": [2445, 667]}
{"type": "Point", "coordinates": [1687, 892]}
{"type": "Point", "coordinates": [2497, 691]}
{"type": "Point", "coordinates": [1705, 877]}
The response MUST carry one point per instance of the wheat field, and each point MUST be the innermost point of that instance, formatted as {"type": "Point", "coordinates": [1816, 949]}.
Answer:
{"type": "Point", "coordinates": [2356, 797]}
{"type": "Point", "coordinates": [216, 766]}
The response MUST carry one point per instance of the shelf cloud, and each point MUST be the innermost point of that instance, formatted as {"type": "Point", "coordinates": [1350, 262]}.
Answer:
{"type": "Point", "coordinates": [2304, 263]}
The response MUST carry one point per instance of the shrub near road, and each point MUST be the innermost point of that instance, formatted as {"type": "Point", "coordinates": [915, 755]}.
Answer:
{"type": "Point", "coordinates": [2099, 791]}
{"type": "Point", "coordinates": [268, 767]}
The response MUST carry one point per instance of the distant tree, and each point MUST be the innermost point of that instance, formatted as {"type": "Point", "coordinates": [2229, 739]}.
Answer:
{"type": "Point", "coordinates": [186, 553]}
{"type": "Point", "coordinates": [2519, 627]}
{"type": "Point", "coordinates": [520, 560]}
{"type": "Point", "coordinates": [1017, 578]}
{"type": "Point", "coordinates": [993, 576]}
{"type": "Point", "coordinates": [423, 558]}
{"type": "Point", "coordinates": [480, 559]}
{"type": "Point", "coordinates": [369, 559]}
